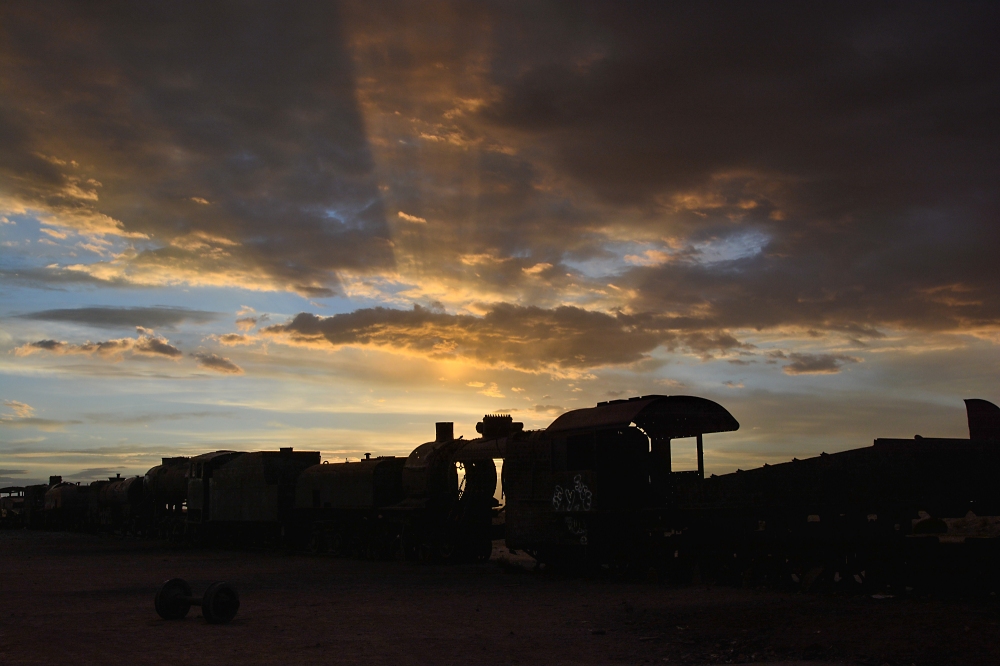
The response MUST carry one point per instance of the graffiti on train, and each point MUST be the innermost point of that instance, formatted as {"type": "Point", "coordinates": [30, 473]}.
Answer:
{"type": "Point", "coordinates": [576, 498]}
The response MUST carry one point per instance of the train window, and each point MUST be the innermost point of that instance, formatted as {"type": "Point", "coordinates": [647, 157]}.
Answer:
{"type": "Point", "coordinates": [580, 452]}
{"type": "Point", "coordinates": [498, 490]}
{"type": "Point", "coordinates": [460, 475]}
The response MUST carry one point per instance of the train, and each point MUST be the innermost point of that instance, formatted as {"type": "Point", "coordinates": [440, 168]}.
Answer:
{"type": "Point", "coordinates": [595, 490]}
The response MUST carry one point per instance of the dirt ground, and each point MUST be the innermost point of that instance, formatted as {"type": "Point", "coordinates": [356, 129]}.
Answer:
{"type": "Point", "coordinates": [70, 598]}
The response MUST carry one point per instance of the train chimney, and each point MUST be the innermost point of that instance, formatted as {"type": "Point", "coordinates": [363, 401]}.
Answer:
{"type": "Point", "coordinates": [53, 480]}
{"type": "Point", "coordinates": [445, 431]}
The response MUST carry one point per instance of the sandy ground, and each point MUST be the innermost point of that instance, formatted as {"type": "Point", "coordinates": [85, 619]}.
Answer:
{"type": "Point", "coordinates": [81, 599]}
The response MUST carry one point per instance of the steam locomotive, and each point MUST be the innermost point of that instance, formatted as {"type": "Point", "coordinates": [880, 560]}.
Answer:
{"type": "Point", "coordinates": [435, 504]}
{"type": "Point", "coordinates": [596, 488]}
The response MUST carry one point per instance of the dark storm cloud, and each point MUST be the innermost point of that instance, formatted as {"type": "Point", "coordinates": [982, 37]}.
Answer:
{"type": "Point", "coordinates": [226, 134]}
{"type": "Point", "coordinates": [866, 97]}
{"type": "Point", "coordinates": [527, 338]}
{"type": "Point", "coordinates": [125, 317]}
{"type": "Point", "coordinates": [780, 166]}
{"type": "Point", "coordinates": [861, 140]}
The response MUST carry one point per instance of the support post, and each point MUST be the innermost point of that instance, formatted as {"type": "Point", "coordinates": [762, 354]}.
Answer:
{"type": "Point", "coordinates": [660, 448]}
{"type": "Point", "coordinates": [659, 470]}
{"type": "Point", "coordinates": [701, 457]}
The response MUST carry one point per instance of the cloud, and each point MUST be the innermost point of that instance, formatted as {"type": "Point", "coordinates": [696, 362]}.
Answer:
{"type": "Point", "coordinates": [48, 425]}
{"type": "Point", "coordinates": [248, 323]}
{"type": "Point", "coordinates": [143, 345]}
{"type": "Point", "coordinates": [526, 338]}
{"type": "Point", "coordinates": [20, 409]}
{"type": "Point", "coordinates": [95, 473]}
{"type": "Point", "coordinates": [144, 419]}
{"type": "Point", "coordinates": [125, 317]}
{"type": "Point", "coordinates": [411, 218]}
{"type": "Point", "coordinates": [234, 339]}
{"type": "Point", "coordinates": [832, 189]}
{"type": "Point", "coordinates": [12, 472]}
{"type": "Point", "coordinates": [817, 364]}
{"type": "Point", "coordinates": [278, 155]}
{"type": "Point", "coordinates": [55, 234]}
{"type": "Point", "coordinates": [217, 363]}
{"type": "Point", "coordinates": [492, 391]}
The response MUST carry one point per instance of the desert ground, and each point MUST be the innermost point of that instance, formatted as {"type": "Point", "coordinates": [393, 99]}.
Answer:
{"type": "Point", "coordinates": [84, 599]}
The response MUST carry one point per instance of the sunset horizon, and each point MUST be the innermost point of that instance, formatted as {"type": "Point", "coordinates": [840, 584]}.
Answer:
{"type": "Point", "coordinates": [330, 226]}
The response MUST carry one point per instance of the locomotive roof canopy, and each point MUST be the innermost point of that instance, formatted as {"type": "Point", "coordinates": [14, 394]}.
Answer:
{"type": "Point", "coordinates": [659, 416]}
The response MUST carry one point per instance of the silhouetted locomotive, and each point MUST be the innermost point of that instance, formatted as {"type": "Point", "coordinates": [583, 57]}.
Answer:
{"type": "Point", "coordinates": [594, 489]}
{"type": "Point", "coordinates": [436, 504]}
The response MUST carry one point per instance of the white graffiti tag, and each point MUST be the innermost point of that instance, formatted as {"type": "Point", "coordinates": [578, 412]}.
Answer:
{"type": "Point", "coordinates": [577, 498]}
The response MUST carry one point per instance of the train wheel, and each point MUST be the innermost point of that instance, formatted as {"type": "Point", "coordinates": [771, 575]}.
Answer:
{"type": "Point", "coordinates": [220, 604]}
{"type": "Point", "coordinates": [171, 599]}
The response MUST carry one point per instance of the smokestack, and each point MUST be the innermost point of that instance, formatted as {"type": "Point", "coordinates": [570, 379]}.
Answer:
{"type": "Point", "coordinates": [445, 431]}
{"type": "Point", "coordinates": [53, 480]}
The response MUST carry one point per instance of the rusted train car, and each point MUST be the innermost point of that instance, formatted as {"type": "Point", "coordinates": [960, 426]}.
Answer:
{"type": "Point", "coordinates": [436, 504]}
{"type": "Point", "coordinates": [117, 505]}
{"type": "Point", "coordinates": [12, 507]}
{"type": "Point", "coordinates": [597, 486]}
{"type": "Point", "coordinates": [869, 517]}
{"type": "Point", "coordinates": [165, 489]}
{"type": "Point", "coordinates": [340, 507]}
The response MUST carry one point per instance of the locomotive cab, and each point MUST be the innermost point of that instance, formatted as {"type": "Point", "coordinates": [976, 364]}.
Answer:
{"type": "Point", "coordinates": [598, 481]}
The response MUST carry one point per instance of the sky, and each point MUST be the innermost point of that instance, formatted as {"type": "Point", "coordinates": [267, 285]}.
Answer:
{"type": "Point", "coordinates": [328, 225]}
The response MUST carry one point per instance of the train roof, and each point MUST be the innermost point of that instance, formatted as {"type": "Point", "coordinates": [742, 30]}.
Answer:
{"type": "Point", "coordinates": [659, 416]}
{"type": "Point", "coordinates": [984, 419]}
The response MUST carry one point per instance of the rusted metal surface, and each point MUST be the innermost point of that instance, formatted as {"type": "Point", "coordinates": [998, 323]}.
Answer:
{"type": "Point", "coordinates": [167, 482]}
{"type": "Point", "coordinates": [658, 416]}
{"type": "Point", "coordinates": [66, 505]}
{"type": "Point", "coordinates": [12, 506]}
{"type": "Point", "coordinates": [363, 485]}
{"type": "Point", "coordinates": [200, 471]}
{"type": "Point", "coordinates": [258, 487]}
{"type": "Point", "coordinates": [119, 491]}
